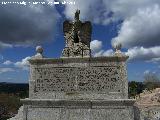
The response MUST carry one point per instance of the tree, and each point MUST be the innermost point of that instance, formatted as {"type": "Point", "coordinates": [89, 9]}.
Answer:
{"type": "Point", "coordinates": [132, 89]}
{"type": "Point", "coordinates": [151, 81]}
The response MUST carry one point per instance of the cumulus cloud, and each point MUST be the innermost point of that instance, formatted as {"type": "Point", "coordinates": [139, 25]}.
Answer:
{"type": "Point", "coordinates": [142, 29]}
{"type": "Point", "coordinates": [4, 70]}
{"type": "Point", "coordinates": [136, 53]}
{"type": "Point", "coordinates": [4, 45]}
{"type": "Point", "coordinates": [96, 45]}
{"type": "Point", "coordinates": [146, 72]}
{"type": "Point", "coordinates": [140, 32]}
{"type": "Point", "coordinates": [104, 53]}
{"type": "Point", "coordinates": [7, 62]}
{"type": "Point", "coordinates": [141, 53]}
{"type": "Point", "coordinates": [87, 8]}
{"type": "Point", "coordinates": [155, 60]}
{"type": "Point", "coordinates": [26, 25]}
{"type": "Point", "coordinates": [97, 51]}
{"type": "Point", "coordinates": [108, 52]}
{"type": "Point", "coordinates": [23, 64]}
{"type": "Point", "coordinates": [106, 11]}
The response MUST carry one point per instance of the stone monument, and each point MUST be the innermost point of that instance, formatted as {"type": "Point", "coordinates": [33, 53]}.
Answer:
{"type": "Point", "coordinates": [78, 86]}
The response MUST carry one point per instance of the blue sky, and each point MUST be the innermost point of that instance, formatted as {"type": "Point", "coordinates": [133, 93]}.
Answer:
{"type": "Point", "coordinates": [134, 24]}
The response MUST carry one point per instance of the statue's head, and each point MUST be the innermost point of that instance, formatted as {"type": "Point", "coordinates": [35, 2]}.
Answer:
{"type": "Point", "coordinates": [76, 17]}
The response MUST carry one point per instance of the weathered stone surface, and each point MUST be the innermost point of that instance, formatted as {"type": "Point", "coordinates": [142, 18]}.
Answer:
{"type": "Point", "coordinates": [147, 113]}
{"type": "Point", "coordinates": [77, 38]}
{"type": "Point", "coordinates": [79, 110]}
{"type": "Point", "coordinates": [78, 89]}
{"type": "Point", "coordinates": [78, 79]}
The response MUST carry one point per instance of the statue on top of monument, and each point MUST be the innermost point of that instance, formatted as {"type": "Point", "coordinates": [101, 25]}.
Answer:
{"type": "Point", "coordinates": [76, 17]}
{"type": "Point", "coordinates": [77, 37]}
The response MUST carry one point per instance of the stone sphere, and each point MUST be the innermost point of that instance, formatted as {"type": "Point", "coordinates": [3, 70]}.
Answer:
{"type": "Point", "coordinates": [39, 49]}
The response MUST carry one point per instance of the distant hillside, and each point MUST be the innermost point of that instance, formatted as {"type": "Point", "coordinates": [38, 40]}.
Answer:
{"type": "Point", "coordinates": [10, 95]}
{"type": "Point", "coordinates": [13, 87]}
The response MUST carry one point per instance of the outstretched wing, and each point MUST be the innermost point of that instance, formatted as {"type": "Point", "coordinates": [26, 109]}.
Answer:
{"type": "Point", "coordinates": [67, 26]}
{"type": "Point", "coordinates": [67, 29]}
{"type": "Point", "coordinates": [86, 32]}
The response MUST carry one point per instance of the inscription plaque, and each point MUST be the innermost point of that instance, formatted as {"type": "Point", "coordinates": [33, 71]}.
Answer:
{"type": "Point", "coordinates": [78, 79]}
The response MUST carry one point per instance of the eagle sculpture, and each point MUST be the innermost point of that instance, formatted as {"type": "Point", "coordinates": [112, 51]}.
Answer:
{"type": "Point", "coordinates": [77, 37]}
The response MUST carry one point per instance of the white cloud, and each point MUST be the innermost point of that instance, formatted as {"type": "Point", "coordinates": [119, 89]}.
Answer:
{"type": "Point", "coordinates": [23, 64]}
{"type": "Point", "coordinates": [146, 72]}
{"type": "Point", "coordinates": [4, 45]}
{"type": "Point", "coordinates": [98, 54]}
{"type": "Point", "coordinates": [104, 53]}
{"type": "Point", "coordinates": [7, 62]}
{"type": "Point", "coordinates": [108, 52]}
{"type": "Point", "coordinates": [97, 51]}
{"type": "Point", "coordinates": [142, 29]}
{"type": "Point", "coordinates": [155, 60]}
{"type": "Point", "coordinates": [4, 70]}
{"type": "Point", "coordinates": [136, 53]}
{"type": "Point", "coordinates": [141, 53]}
{"type": "Point", "coordinates": [105, 11]}
{"type": "Point", "coordinates": [96, 45]}
{"type": "Point", "coordinates": [26, 25]}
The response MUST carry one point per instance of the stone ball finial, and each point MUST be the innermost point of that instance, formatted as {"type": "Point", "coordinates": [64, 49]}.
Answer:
{"type": "Point", "coordinates": [117, 48]}
{"type": "Point", "coordinates": [39, 49]}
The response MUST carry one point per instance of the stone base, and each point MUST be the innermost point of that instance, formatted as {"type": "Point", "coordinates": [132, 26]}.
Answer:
{"type": "Point", "coordinates": [49, 109]}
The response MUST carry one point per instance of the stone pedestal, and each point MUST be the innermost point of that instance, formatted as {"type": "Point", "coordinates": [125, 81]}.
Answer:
{"type": "Point", "coordinates": [49, 109]}
{"type": "Point", "coordinates": [78, 89]}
